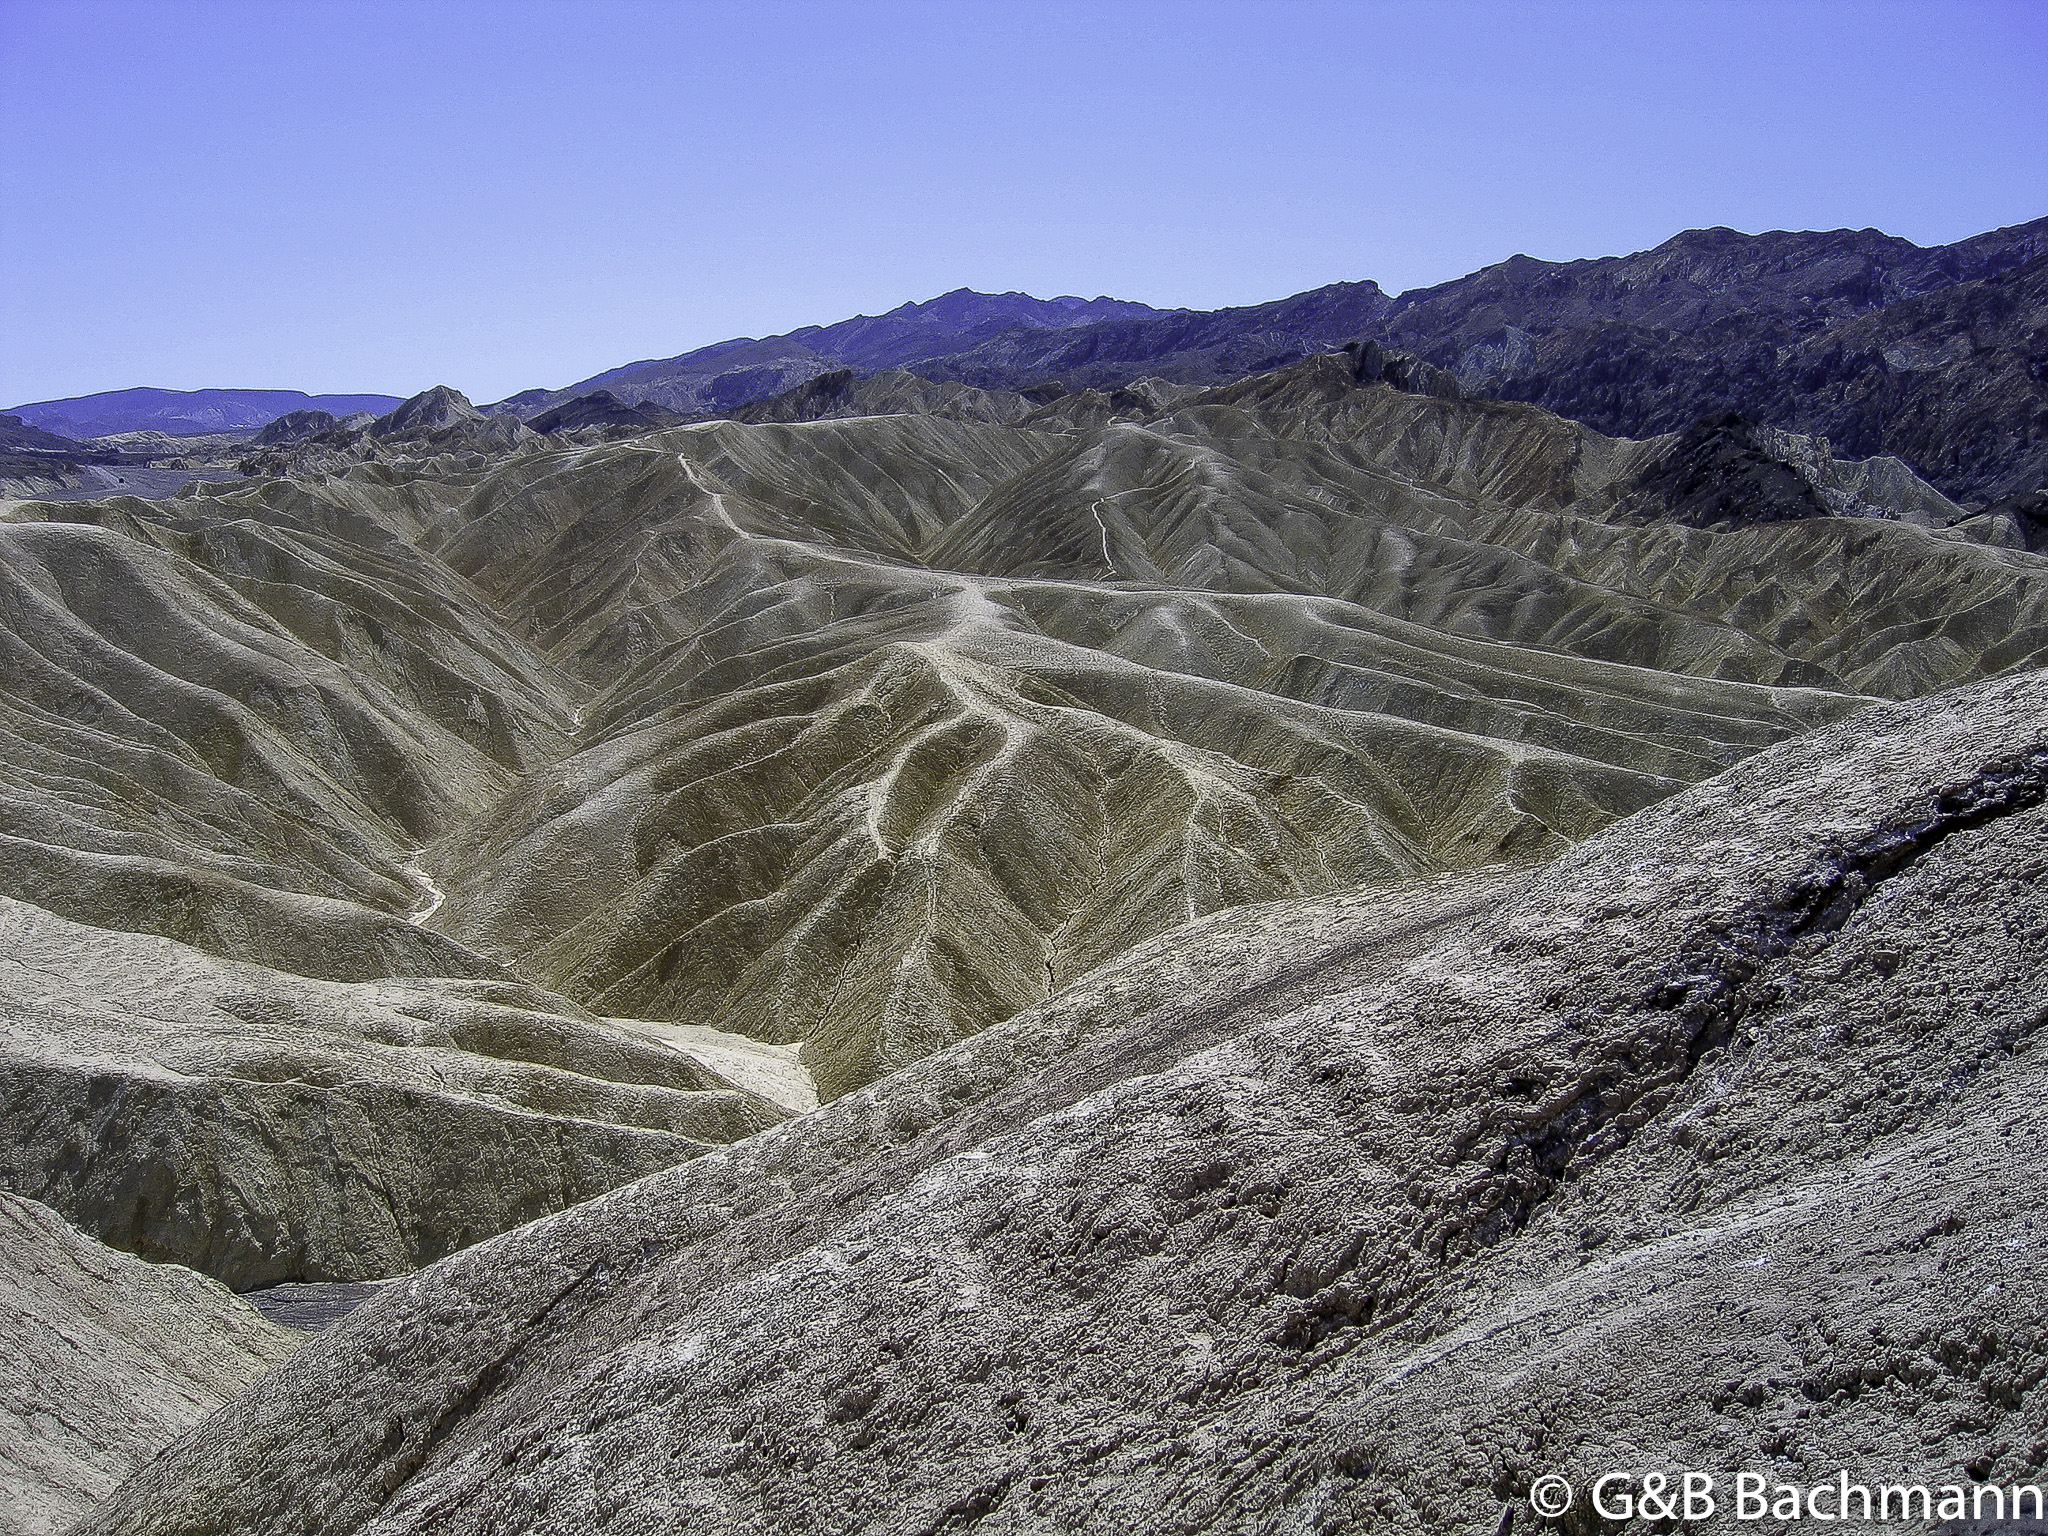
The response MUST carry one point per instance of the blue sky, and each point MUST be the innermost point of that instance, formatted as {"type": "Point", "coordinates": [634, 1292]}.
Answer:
{"type": "Point", "coordinates": [357, 195]}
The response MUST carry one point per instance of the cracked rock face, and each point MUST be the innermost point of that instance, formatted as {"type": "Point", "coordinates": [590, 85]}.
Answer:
{"type": "Point", "coordinates": [105, 1359]}
{"type": "Point", "coordinates": [1709, 1145]}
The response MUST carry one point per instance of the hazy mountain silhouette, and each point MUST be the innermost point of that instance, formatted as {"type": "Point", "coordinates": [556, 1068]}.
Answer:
{"type": "Point", "coordinates": [184, 412]}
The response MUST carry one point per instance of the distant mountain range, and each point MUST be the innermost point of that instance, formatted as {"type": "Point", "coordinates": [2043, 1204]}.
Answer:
{"type": "Point", "coordinates": [185, 412]}
{"type": "Point", "coordinates": [1933, 355]}
{"type": "Point", "coordinates": [728, 374]}
{"type": "Point", "coordinates": [997, 341]}
{"type": "Point", "coordinates": [1884, 347]}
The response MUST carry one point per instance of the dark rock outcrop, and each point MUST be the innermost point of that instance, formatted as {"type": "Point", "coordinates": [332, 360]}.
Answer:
{"type": "Point", "coordinates": [604, 412]}
{"type": "Point", "coordinates": [294, 426]}
{"type": "Point", "coordinates": [431, 410]}
{"type": "Point", "coordinates": [2016, 522]}
{"type": "Point", "coordinates": [1720, 470]}
{"type": "Point", "coordinates": [16, 434]}
{"type": "Point", "coordinates": [843, 393]}
{"type": "Point", "coordinates": [36, 463]}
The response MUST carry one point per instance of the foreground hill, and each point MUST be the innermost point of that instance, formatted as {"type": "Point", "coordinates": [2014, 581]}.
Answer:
{"type": "Point", "coordinates": [1715, 1137]}
{"type": "Point", "coordinates": [105, 1360]}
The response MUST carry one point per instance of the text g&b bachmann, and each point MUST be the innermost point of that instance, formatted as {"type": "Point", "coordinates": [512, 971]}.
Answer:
{"type": "Point", "coordinates": [1752, 1496]}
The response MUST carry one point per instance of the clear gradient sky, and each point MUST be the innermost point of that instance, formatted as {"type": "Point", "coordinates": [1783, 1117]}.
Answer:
{"type": "Point", "coordinates": [381, 195]}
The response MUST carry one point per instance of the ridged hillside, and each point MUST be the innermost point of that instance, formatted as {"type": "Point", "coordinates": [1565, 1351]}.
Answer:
{"type": "Point", "coordinates": [601, 769]}
{"type": "Point", "coordinates": [1715, 1142]}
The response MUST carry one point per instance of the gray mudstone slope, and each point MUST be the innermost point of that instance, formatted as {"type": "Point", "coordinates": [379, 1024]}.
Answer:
{"type": "Point", "coordinates": [859, 735]}
{"type": "Point", "coordinates": [264, 1127]}
{"type": "Point", "coordinates": [103, 1359]}
{"type": "Point", "coordinates": [1714, 1144]}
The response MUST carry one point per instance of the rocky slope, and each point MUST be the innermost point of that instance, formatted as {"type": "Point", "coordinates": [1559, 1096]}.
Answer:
{"type": "Point", "coordinates": [1706, 1146]}
{"type": "Point", "coordinates": [261, 1127]}
{"type": "Point", "coordinates": [104, 1360]}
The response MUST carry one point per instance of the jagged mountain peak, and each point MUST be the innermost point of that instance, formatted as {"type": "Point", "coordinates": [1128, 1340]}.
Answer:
{"type": "Point", "coordinates": [431, 410]}
{"type": "Point", "coordinates": [294, 426]}
{"type": "Point", "coordinates": [972, 307]}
